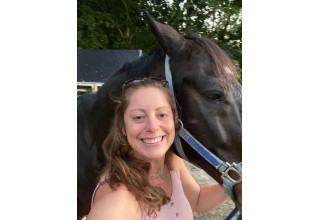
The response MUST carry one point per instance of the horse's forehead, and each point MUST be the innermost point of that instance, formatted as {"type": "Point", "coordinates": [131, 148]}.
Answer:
{"type": "Point", "coordinates": [195, 66]}
{"type": "Point", "coordinates": [201, 68]}
{"type": "Point", "coordinates": [198, 54]}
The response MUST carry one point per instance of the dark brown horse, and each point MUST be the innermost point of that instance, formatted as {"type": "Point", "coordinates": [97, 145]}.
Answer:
{"type": "Point", "coordinates": [207, 91]}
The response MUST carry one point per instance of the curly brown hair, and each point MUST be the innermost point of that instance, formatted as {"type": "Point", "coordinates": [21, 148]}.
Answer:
{"type": "Point", "coordinates": [122, 166]}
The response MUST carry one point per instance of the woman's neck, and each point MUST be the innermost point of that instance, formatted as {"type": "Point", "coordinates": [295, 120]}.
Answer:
{"type": "Point", "coordinates": [158, 167]}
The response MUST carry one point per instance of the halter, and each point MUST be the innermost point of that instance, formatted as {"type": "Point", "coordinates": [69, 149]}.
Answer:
{"type": "Point", "coordinates": [223, 167]}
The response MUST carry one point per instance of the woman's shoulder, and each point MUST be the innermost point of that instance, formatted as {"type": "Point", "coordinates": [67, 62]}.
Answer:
{"type": "Point", "coordinates": [114, 204]}
{"type": "Point", "coordinates": [180, 167]}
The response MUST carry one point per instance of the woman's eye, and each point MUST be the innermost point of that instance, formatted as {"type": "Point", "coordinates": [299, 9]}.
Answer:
{"type": "Point", "coordinates": [137, 118]}
{"type": "Point", "coordinates": [163, 115]}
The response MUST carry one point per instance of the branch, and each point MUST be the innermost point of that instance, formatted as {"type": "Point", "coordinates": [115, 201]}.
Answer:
{"type": "Point", "coordinates": [116, 26]}
{"type": "Point", "coordinates": [99, 4]}
{"type": "Point", "coordinates": [127, 11]}
{"type": "Point", "coordinates": [224, 30]}
{"type": "Point", "coordinates": [128, 18]}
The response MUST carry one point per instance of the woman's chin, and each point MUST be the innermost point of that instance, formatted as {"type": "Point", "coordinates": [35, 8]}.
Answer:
{"type": "Point", "coordinates": [151, 156]}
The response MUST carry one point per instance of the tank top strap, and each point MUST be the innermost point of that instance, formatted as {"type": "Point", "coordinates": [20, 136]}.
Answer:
{"type": "Point", "coordinates": [102, 182]}
{"type": "Point", "coordinates": [176, 184]}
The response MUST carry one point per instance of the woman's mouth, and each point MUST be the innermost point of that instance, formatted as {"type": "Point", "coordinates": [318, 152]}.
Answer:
{"type": "Point", "coordinates": [152, 140]}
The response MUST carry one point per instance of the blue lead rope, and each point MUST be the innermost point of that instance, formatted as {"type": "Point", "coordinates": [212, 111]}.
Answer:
{"type": "Point", "coordinates": [232, 213]}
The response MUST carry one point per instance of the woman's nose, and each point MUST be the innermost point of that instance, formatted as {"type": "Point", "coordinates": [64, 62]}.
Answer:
{"type": "Point", "coordinates": [152, 125]}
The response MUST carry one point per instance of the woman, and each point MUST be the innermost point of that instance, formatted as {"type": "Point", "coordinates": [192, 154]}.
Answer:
{"type": "Point", "coordinates": [143, 178]}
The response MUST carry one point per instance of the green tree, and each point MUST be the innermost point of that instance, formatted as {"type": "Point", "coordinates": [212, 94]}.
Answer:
{"type": "Point", "coordinates": [120, 24]}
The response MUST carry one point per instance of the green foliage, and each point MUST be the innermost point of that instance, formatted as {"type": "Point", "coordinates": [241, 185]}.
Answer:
{"type": "Point", "coordinates": [120, 24]}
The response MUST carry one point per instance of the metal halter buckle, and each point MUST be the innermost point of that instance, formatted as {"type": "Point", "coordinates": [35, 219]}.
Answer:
{"type": "Point", "coordinates": [232, 168]}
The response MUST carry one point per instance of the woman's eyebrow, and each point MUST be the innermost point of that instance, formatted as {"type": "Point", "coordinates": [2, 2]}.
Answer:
{"type": "Point", "coordinates": [167, 107]}
{"type": "Point", "coordinates": [157, 109]}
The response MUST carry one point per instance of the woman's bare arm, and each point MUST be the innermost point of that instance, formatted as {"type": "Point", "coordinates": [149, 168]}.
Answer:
{"type": "Point", "coordinates": [201, 199]}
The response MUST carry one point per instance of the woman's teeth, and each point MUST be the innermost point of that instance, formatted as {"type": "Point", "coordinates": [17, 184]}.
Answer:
{"type": "Point", "coordinates": [152, 141]}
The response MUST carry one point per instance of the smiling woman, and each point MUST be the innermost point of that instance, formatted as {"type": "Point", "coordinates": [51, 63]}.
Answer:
{"type": "Point", "coordinates": [145, 179]}
{"type": "Point", "coordinates": [141, 135]}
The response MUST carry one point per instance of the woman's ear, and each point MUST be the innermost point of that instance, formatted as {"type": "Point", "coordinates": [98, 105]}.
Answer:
{"type": "Point", "coordinates": [124, 132]}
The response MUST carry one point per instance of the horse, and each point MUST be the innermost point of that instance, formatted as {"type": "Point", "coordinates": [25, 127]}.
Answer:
{"type": "Point", "coordinates": [208, 94]}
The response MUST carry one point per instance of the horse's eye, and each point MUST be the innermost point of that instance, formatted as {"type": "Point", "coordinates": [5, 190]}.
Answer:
{"type": "Point", "coordinates": [213, 96]}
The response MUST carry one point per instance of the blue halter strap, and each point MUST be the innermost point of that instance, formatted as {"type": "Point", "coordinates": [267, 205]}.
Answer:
{"type": "Point", "coordinates": [223, 167]}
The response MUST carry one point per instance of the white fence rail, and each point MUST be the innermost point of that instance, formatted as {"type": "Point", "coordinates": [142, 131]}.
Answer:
{"type": "Point", "coordinates": [93, 85]}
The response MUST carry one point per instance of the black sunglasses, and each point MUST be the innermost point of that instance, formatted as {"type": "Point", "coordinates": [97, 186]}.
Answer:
{"type": "Point", "coordinates": [131, 82]}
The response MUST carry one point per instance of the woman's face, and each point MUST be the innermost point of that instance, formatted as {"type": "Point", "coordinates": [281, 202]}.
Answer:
{"type": "Point", "coordinates": [149, 123]}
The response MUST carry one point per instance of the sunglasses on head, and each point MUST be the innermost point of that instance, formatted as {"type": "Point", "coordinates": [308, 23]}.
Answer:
{"type": "Point", "coordinates": [131, 82]}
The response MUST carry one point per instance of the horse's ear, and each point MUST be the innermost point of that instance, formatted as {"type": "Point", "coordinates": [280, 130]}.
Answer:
{"type": "Point", "coordinates": [169, 39]}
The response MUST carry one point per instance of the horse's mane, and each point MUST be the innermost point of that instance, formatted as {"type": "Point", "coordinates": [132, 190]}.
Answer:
{"type": "Point", "coordinates": [137, 68]}
{"type": "Point", "coordinates": [225, 69]}
{"type": "Point", "coordinates": [140, 67]}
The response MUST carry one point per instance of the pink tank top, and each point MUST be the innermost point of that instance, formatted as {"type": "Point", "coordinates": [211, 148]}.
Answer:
{"type": "Point", "coordinates": [177, 208]}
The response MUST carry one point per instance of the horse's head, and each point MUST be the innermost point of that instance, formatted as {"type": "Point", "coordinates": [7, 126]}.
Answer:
{"type": "Point", "coordinates": [208, 94]}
